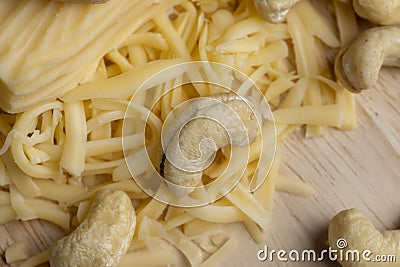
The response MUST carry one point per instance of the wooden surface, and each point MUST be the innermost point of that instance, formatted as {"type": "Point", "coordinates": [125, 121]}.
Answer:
{"type": "Point", "coordinates": [358, 168]}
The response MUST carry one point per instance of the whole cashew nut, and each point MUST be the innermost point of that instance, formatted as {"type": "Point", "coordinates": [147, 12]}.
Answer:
{"type": "Point", "coordinates": [351, 231]}
{"type": "Point", "coordinates": [274, 10]}
{"type": "Point", "coordinates": [189, 142]}
{"type": "Point", "coordinates": [103, 237]}
{"type": "Point", "coordinates": [357, 65]}
{"type": "Point", "coordinates": [383, 12]}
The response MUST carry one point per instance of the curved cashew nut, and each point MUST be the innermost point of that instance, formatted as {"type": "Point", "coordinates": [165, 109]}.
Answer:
{"type": "Point", "coordinates": [102, 238]}
{"type": "Point", "coordinates": [359, 234]}
{"type": "Point", "coordinates": [274, 10]}
{"type": "Point", "coordinates": [383, 12]}
{"type": "Point", "coordinates": [189, 140]}
{"type": "Point", "coordinates": [357, 65]}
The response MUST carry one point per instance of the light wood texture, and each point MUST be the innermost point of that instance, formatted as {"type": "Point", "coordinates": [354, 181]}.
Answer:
{"type": "Point", "coordinates": [358, 168]}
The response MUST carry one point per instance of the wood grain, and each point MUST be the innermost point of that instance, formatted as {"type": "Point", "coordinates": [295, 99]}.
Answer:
{"type": "Point", "coordinates": [358, 168]}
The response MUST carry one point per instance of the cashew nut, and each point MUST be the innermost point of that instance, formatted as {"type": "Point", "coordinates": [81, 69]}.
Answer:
{"type": "Point", "coordinates": [102, 238]}
{"type": "Point", "coordinates": [357, 65]}
{"type": "Point", "coordinates": [274, 10]}
{"type": "Point", "coordinates": [383, 12]}
{"type": "Point", "coordinates": [209, 120]}
{"type": "Point", "coordinates": [351, 231]}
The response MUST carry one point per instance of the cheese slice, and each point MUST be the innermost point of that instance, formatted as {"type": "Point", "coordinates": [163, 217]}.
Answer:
{"type": "Point", "coordinates": [48, 48]}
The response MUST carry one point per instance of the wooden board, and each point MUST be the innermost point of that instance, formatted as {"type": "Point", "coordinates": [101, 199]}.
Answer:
{"type": "Point", "coordinates": [358, 168]}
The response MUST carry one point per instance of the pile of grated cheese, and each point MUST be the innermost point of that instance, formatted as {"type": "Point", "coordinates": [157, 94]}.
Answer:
{"type": "Point", "coordinates": [67, 73]}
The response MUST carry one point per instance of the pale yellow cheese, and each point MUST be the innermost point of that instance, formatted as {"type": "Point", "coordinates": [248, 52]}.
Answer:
{"type": "Point", "coordinates": [16, 252]}
{"type": "Point", "coordinates": [36, 260]}
{"type": "Point", "coordinates": [169, 33]}
{"type": "Point", "coordinates": [55, 66]}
